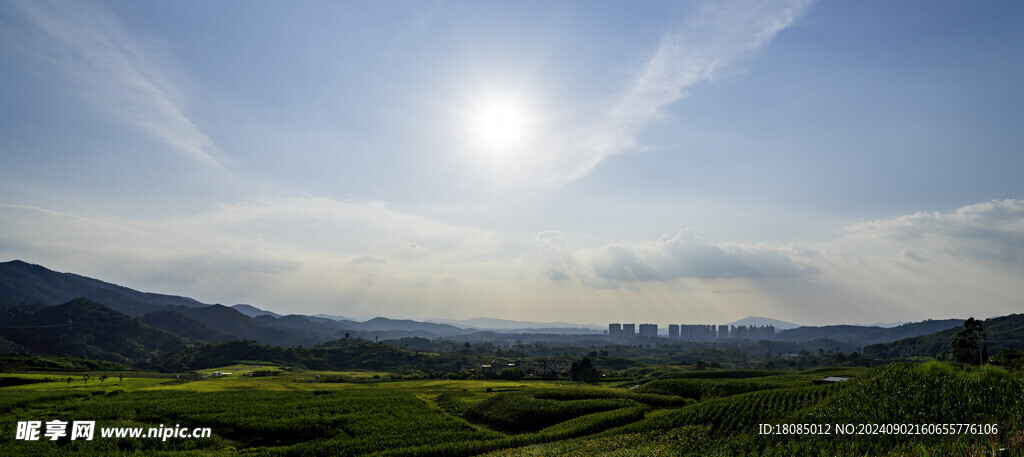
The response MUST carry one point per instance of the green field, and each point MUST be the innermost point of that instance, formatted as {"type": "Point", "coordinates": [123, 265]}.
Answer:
{"type": "Point", "coordinates": [666, 412]}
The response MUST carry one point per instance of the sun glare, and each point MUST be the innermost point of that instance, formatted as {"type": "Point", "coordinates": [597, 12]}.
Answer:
{"type": "Point", "coordinates": [499, 125]}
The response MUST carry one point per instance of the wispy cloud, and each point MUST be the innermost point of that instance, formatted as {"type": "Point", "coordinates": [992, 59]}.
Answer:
{"type": "Point", "coordinates": [699, 51]}
{"type": "Point", "coordinates": [116, 70]}
{"type": "Point", "coordinates": [683, 255]}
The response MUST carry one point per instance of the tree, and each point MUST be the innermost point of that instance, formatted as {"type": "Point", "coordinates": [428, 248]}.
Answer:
{"type": "Point", "coordinates": [583, 370]}
{"type": "Point", "coordinates": [511, 374]}
{"type": "Point", "coordinates": [969, 345]}
{"type": "Point", "coordinates": [103, 378]}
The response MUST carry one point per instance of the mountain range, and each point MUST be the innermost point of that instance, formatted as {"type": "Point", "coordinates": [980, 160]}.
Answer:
{"type": "Point", "coordinates": [67, 314]}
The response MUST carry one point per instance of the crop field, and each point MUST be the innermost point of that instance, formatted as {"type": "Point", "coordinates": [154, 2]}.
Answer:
{"type": "Point", "coordinates": [286, 413]}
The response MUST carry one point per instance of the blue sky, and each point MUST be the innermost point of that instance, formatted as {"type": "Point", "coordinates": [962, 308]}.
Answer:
{"type": "Point", "coordinates": [818, 162]}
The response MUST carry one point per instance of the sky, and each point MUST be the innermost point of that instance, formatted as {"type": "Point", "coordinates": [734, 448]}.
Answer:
{"type": "Point", "coordinates": [591, 162]}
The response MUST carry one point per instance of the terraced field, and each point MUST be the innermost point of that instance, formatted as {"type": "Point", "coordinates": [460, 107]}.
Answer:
{"type": "Point", "coordinates": [665, 413]}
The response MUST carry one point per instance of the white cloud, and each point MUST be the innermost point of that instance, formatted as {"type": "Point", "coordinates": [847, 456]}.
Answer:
{"type": "Point", "coordinates": [313, 254]}
{"type": "Point", "coordinates": [699, 51]}
{"type": "Point", "coordinates": [668, 258]}
{"type": "Point", "coordinates": [117, 71]}
{"type": "Point", "coordinates": [991, 231]}
{"type": "Point", "coordinates": [240, 250]}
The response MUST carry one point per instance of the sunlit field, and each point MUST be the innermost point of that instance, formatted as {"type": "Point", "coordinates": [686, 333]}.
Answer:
{"type": "Point", "coordinates": [667, 412]}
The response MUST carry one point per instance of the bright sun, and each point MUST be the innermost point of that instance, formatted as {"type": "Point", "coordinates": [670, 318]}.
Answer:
{"type": "Point", "coordinates": [499, 125]}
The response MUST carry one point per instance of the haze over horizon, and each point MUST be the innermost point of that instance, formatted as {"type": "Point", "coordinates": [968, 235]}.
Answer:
{"type": "Point", "coordinates": [810, 162]}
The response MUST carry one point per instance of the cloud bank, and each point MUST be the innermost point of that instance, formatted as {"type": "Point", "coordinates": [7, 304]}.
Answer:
{"type": "Point", "coordinates": [992, 231]}
{"type": "Point", "coordinates": [313, 254]}
{"type": "Point", "coordinates": [683, 255]}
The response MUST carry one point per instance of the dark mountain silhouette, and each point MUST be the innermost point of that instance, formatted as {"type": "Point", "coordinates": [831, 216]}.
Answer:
{"type": "Point", "coordinates": [383, 323]}
{"type": "Point", "coordinates": [83, 328]}
{"type": "Point", "coordinates": [1005, 332]}
{"type": "Point", "coordinates": [232, 322]}
{"type": "Point", "coordinates": [304, 325]}
{"type": "Point", "coordinates": [863, 335]}
{"type": "Point", "coordinates": [253, 311]}
{"type": "Point", "coordinates": [22, 283]}
{"type": "Point", "coordinates": [30, 283]}
{"type": "Point", "coordinates": [759, 321]}
{"type": "Point", "coordinates": [180, 324]}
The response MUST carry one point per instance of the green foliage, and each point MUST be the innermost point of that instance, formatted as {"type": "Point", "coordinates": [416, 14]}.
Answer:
{"type": "Point", "coordinates": [286, 415]}
{"type": "Point", "coordinates": [969, 345]}
{"type": "Point", "coordinates": [1001, 332]}
{"type": "Point", "coordinates": [720, 374]}
{"type": "Point", "coordinates": [512, 374]}
{"type": "Point", "coordinates": [700, 389]}
{"type": "Point", "coordinates": [521, 412]}
{"type": "Point", "coordinates": [584, 370]}
{"type": "Point", "coordinates": [261, 373]}
{"type": "Point", "coordinates": [740, 412]}
{"type": "Point", "coordinates": [351, 354]}
{"type": "Point", "coordinates": [83, 328]}
{"type": "Point", "coordinates": [51, 363]}
{"type": "Point", "coordinates": [596, 422]}
{"type": "Point", "coordinates": [864, 335]}
{"type": "Point", "coordinates": [1009, 358]}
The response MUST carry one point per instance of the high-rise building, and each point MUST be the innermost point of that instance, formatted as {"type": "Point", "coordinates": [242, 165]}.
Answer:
{"type": "Point", "coordinates": [649, 330]}
{"type": "Point", "coordinates": [628, 330]}
{"type": "Point", "coordinates": [673, 330]}
{"type": "Point", "coordinates": [615, 330]}
{"type": "Point", "coordinates": [723, 332]}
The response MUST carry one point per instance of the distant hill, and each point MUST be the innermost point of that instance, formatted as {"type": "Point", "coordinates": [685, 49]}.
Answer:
{"type": "Point", "coordinates": [83, 328]}
{"type": "Point", "coordinates": [863, 335]}
{"type": "Point", "coordinates": [10, 347]}
{"type": "Point", "coordinates": [321, 330]}
{"type": "Point", "coordinates": [332, 317]}
{"type": "Point", "coordinates": [383, 323]}
{"type": "Point", "coordinates": [759, 321]}
{"type": "Point", "coordinates": [232, 322]}
{"type": "Point", "coordinates": [180, 324]}
{"type": "Point", "coordinates": [30, 283]}
{"type": "Point", "coordinates": [1005, 332]}
{"type": "Point", "coordinates": [253, 311]}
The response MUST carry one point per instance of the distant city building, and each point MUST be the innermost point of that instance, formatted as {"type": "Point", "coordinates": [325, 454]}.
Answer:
{"type": "Point", "coordinates": [744, 332]}
{"type": "Point", "coordinates": [615, 330]}
{"type": "Point", "coordinates": [649, 330]}
{"type": "Point", "coordinates": [628, 330]}
{"type": "Point", "coordinates": [695, 332]}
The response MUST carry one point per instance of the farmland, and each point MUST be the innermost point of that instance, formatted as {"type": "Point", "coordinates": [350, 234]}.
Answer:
{"type": "Point", "coordinates": [670, 411]}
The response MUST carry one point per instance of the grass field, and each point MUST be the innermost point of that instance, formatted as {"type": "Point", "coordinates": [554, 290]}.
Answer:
{"type": "Point", "coordinates": [668, 412]}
